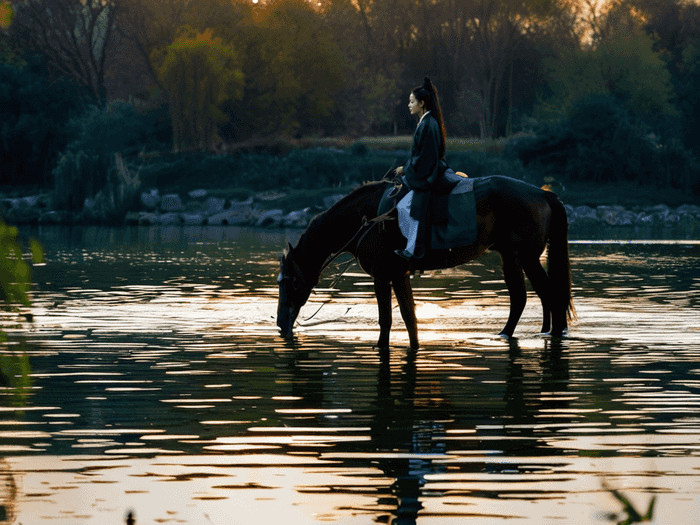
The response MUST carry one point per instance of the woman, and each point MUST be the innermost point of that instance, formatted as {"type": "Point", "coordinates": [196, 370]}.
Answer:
{"type": "Point", "coordinates": [424, 168]}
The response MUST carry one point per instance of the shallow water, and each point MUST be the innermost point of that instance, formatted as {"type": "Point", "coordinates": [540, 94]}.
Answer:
{"type": "Point", "coordinates": [159, 384]}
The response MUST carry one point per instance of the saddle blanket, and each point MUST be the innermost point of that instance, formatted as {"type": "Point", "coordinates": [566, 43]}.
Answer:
{"type": "Point", "coordinates": [452, 212]}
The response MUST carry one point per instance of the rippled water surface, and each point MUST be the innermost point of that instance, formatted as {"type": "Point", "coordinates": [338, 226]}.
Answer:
{"type": "Point", "coordinates": [159, 384]}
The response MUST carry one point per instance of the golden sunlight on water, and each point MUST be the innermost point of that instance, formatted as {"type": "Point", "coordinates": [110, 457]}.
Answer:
{"type": "Point", "coordinates": [158, 383]}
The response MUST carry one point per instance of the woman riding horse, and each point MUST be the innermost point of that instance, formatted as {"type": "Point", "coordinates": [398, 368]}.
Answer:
{"type": "Point", "coordinates": [426, 165]}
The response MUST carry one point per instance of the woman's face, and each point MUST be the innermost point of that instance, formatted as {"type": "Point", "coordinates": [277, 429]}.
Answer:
{"type": "Point", "coordinates": [414, 106]}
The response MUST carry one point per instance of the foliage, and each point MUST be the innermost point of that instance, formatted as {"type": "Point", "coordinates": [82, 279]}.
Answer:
{"type": "Point", "coordinates": [302, 168]}
{"type": "Point", "coordinates": [633, 515]}
{"type": "Point", "coordinates": [15, 273]}
{"type": "Point", "coordinates": [626, 68]}
{"type": "Point", "coordinates": [88, 164]}
{"type": "Point", "coordinates": [199, 73]}
{"type": "Point", "coordinates": [119, 127]}
{"type": "Point", "coordinates": [600, 141]}
{"type": "Point", "coordinates": [33, 117]}
{"type": "Point", "coordinates": [72, 36]}
{"type": "Point", "coordinates": [79, 175]}
{"type": "Point", "coordinates": [7, 14]}
{"type": "Point", "coordinates": [688, 101]}
{"type": "Point", "coordinates": [292, 71]}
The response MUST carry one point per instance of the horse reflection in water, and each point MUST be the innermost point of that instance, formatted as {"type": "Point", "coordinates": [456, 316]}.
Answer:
{"type": "Point", "coordinates": [516, 219]}
{"type": "Point", "coordinates": [410, 413]}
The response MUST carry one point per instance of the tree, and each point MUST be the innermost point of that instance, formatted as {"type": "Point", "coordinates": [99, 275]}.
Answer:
{"type": "Point", "coordinates": [292, 70]}
{"type": "Point", "coordinates": [625, 67]}
{"type": "Point", "coordinates": [199, 72]}
{"type": "Point", "coordinates": [72, 35]}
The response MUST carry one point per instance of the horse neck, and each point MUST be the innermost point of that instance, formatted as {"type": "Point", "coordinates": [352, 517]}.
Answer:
{"type": "Point", "coordinates": [332, 230]}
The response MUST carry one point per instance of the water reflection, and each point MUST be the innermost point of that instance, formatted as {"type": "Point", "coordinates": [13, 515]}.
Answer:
{"type": "Point", "coordinates": [159, 383]}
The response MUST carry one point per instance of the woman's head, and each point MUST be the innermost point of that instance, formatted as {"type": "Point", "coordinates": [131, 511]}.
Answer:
{"type": "Point", "coordinates": [425, 98]}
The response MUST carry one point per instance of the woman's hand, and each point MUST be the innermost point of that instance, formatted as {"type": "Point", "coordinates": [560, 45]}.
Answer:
{"type": "Point", "coordinates": [399, 170]}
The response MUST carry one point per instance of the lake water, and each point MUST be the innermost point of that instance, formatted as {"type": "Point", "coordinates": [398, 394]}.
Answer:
{"type": "Point", "coordinates": [159, 385]}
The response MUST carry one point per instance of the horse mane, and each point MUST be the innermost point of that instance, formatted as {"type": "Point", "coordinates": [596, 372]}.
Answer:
{"type": "Point", "coordinates": [357, 195]}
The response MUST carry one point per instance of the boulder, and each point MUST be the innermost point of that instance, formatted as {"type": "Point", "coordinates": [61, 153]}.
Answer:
{"type": "Point", "coordinates": [212, 206]}
{"type": "Point", "coordinates": [235, 216]}
{"type": "Point", "coordinates": [22, 215]}
{"type": "Point", "coordinates": [150, 200]}
{"type": "Point", "coordinates": [689, 209]}
{"type": "Point", "coordinates": [297, 219]}
{"type": "Point", "coordinates": [269, 218]}
{"type": "Point", "coordinates": [168, 218]}
{"type": "Point", "coordinates": [171, 203]}
{"type": "Point", "coordinates": [146, 218]}
{"type": "Point", "coordinates": [50, 217]}
{"type": "Point", "coordinates": [585, 212]}
{"type": "Point", "coordinates": [192, 219]}
{"type": "Point", "coordinates": [616, 215]}
{"type": "Point", "coordinates": [197, 194]}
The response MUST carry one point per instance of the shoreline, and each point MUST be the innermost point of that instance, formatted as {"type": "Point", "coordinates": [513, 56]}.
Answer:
{"type": "Point", "coordinates": [277, 210]}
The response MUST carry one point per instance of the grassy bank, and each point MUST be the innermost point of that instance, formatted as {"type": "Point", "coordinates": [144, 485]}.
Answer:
{"type": "Point", "coordinates": [308, 174]}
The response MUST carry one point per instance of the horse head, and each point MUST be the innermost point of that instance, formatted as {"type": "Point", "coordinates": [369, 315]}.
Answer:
{"type": "Point", "coordinates": [293, 291]}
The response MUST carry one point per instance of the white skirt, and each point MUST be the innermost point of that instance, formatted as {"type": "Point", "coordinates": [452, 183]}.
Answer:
{"type": "Point", "coordinates": [407, 224]}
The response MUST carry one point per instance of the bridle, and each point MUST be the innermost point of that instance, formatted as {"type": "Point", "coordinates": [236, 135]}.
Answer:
{"type": "Point", "coordinates": [365, 228]}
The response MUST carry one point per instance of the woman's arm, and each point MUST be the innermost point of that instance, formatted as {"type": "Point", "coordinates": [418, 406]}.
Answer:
{"type": "Point", "coordinates": [422, 168]}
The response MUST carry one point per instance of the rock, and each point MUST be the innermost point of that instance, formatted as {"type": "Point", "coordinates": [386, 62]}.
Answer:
{"type": "Point", "coordinates": [616, 215]}
{"type": "Point", "coordinates": [99, 209]}
{"type": "Point", "coordinates": [150, 200]}
{"type": "Point", "coordinates": [231, 217]}
{"type": "Point", "coordinates": [171, 203]}
{"type": "Point", "coordinates": [689, 209]}
{"type": "Point", "coordinates": [269, 218]}
{"type": "Point", "coordinates": [570, 212]}
{"type": "Point", "coordinates": [269, 195]}
{"type": "Point", "coordinates": [169, 218]}
{"type": "Point", "coordinates": [146, 218]}
{"type": "Point", "coordinates": [197, 194]}
{"type": "Point", "coordinates": [332, 199]}
{"type": "Point", "coordinates": [192, 219]}
{"type": "Point", "coordinates": [30, 201]}
{"type": "Point", "coordinates": [297, 219]}
{"type": "Point", "coordinates": [585, 212]}
{"type": "Point", "coordinates": [10, 203]}
{"type": "Point", "coordinates": [22, 215]}
{"type": "Point", "coordinates": [212, 206]}
{"type": "Point", "coordinates": [50, 217]}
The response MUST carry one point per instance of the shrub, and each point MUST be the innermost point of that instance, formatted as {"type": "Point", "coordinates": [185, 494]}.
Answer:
{"type": "Point", "coordinates": [600, 141]}
{"type": "Point", "coordinates": [33, 117]}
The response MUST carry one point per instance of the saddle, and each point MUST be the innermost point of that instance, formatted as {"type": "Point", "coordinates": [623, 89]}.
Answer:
{"type": "Point", "coordinates": [452, 213]}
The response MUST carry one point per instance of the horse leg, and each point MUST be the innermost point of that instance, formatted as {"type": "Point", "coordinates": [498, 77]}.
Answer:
{"type": "Point", "coordinates": [515, 282]}
{"type": "Point", "coordinates": [382, 290]}
{"type": "Point", "coordinates": [542, 286]}
{"type": "Point", "coordinates": [404, 295]}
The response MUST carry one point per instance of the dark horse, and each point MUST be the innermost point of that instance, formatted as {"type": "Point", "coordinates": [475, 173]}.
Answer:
{"type": "Point", "coordinates": [516, 219]}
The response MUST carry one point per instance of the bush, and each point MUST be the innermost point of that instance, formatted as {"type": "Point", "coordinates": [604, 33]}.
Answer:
{"type": "Point", "coordinates": [33, 117]}
{"type": "Point", "coordinates": [600, 141]}
{"type": "Point", "coordinates": [15, 273]}
{"type": "Point", "coordinates": [119, 128]}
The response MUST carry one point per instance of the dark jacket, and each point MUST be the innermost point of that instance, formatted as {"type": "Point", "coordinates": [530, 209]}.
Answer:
{"type": "Point", "coordinates": [425, 166]}
{"type": "Point", "coordinates": [422, 169]}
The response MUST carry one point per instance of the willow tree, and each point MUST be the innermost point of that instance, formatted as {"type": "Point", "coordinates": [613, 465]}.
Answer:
{"type": "Point", "coordinates": [199, 72]}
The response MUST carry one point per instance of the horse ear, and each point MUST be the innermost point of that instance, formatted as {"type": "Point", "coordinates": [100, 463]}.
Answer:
{"type": "Point", "coordinates": [289, 248]}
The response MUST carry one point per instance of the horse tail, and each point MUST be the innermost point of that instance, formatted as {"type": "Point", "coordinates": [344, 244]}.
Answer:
{"type": "Point", "coordinates": [558, 266]}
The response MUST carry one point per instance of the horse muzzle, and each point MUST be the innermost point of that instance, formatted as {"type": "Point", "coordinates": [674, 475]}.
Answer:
{"type": "Point", "coordinates": [286, 315]}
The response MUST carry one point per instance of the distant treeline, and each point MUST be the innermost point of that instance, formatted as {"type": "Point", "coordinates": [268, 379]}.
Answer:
{"type": "Point", "coordinates": [600, 93]}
